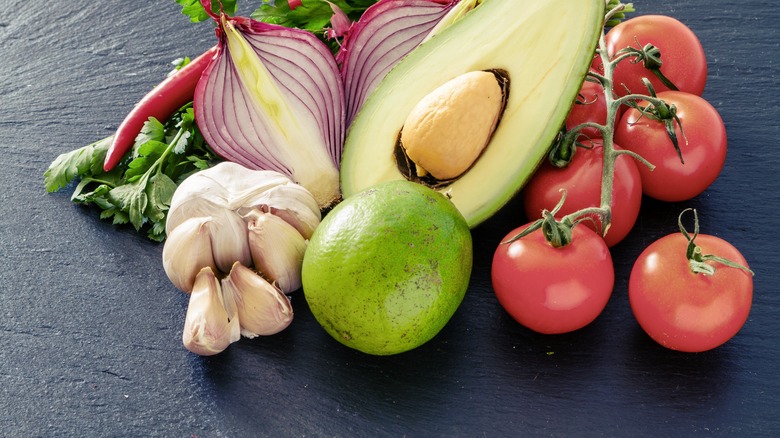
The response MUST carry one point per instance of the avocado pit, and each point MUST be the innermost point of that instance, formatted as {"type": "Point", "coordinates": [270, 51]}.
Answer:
{"type": "Point", "coordinates": [447, 131]}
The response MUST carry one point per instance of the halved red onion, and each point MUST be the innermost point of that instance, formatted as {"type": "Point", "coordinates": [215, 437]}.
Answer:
{"type": "Point", "coordinates": [273, 99]}
{"type": "Point", "coordinates": [386, 32]}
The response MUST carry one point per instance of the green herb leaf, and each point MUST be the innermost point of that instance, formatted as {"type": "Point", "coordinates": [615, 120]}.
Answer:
{"type": "Point", "coordinates": [152, 130]}
{"type": "Point", "coordinates": [194, 9]}
{"type": "Point", "coordinates": [311, 15]}
{"type": "Point", "coordinates": [119, 217]}
{"type": "Point", "coordinates": [157, 232]}
{"type": "Point", "coordinates": [132, 199]}
{"type": "Point", "coordinates": [159, 192]}
{"type": "Point", "coordinates": [182, 142]}
{"type": "Point", "coordinates": [139, 190]}
{"type": "Point", "coordinates": [70, 165]}
{"type": "Point", "coordinates": [138, 167]}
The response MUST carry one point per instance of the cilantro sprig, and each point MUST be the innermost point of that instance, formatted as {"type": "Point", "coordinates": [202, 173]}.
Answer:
{"type": "Point", "coordinates": [139, 190]}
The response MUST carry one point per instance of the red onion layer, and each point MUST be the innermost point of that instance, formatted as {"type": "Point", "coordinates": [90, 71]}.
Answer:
{"type": "Point", "coordinates": [273, 99]}
{"type": "Point", "coordinates": [386, 32]}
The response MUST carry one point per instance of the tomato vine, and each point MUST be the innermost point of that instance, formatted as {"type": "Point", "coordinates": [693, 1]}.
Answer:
{"type": "Point", "coordinates": [673, 274]}
{"type": "Point", "coordinates": [562, 153]}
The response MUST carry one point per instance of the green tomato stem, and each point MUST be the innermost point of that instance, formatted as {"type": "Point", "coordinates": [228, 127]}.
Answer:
{"type": "Point", "coordinates": [610, 154]}
{"type": "Point", "coordinates": [613, 104]}
{"type": "Point", "coordinates": [637, 157]}
{"type": "Point", "coordinates": [696, 259]}
{"type": "Point", "coordinates": [158, 164]}
{"type": "Point", "coordinates": [604, 210]}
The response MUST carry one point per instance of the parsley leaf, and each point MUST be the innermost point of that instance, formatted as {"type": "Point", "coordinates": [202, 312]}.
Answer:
{"type": "Point", "coordinates": [311, 15]}
{"type": "Point", "coordinates": [159, 192]}
{"type": "Point", "coordinates": [71, 165]}
{"type": "Point", "coordinates": [139, 190]}
{"type": "Point", "coordinates": [132, 199]}
{"type": "Point", "coordinates": [194, 9]}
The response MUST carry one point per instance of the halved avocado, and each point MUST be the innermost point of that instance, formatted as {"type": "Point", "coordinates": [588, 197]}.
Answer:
{"type": "Point", "coordinates": [544, 48]}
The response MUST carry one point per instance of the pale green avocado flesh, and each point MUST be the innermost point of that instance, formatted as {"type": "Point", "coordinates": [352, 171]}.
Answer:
{"type": "Point", "coordinates": [545, 49]}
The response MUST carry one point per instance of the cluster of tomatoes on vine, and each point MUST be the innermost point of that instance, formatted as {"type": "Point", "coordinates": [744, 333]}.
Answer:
{"type": "Point", "coordinates": [653, 135]}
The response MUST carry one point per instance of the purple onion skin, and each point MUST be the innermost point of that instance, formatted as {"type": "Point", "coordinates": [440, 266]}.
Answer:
{"type": "Point", "coordinates": [305, 72]}
{"type": "Point", "coordinates": [386, 32]}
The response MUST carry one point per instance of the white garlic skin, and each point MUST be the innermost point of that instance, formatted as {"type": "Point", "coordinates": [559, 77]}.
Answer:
{"type": "Point", "coordinates": [209, 328]}
{"type": "Point", "coordinates": [186, 251]}
{"type": "Point", "coordinates": [277, 249]}
{"type": "Point", "coordinates": [229, 240]}
{"type": "Point", "coordinates": [263, 309]}
{"type": "Point", "coordinates": [291, 202]}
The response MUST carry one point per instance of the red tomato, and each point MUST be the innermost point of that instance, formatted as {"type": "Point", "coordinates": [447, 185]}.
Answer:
{"type": "Point", "coordinates": [582, 181]}
{"type": "Point", "coordinates": [553, 290]}
{"type": "Point", "coordinates": [683, 310]}
{"type": "Point", "coordinates": [682, 55]}
{"type": "Point", "coordinates": [590, 106]}
{"type": "Point", "coordinates": [703, 147]}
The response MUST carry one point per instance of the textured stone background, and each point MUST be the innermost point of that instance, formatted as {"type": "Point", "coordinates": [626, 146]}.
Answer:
{"type": "Point", "coordinates": [90, 327]}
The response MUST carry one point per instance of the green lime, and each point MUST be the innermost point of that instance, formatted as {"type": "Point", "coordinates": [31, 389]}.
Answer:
{"type": "Point", "coordinates": [388, 267]}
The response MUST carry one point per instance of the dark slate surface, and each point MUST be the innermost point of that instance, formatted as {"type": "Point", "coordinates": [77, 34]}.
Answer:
{"type": "Point", "coordinates": [90, 327]}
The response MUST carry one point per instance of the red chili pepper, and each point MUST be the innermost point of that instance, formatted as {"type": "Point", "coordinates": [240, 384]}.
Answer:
{"type": "Point", "coordinates": [165, 99]}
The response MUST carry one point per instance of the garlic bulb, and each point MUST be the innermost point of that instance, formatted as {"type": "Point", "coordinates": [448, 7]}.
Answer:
{"type": "Point", "coordinates": [248, 226]}
{"type": "Point", "coordinates": [209, 326]}
{"type": "Point", "coordinates": [191, 208]}
{"type": "Point", "coordinates": [277, 249]}
{"type": "Point", "coordinates": [262, 308]}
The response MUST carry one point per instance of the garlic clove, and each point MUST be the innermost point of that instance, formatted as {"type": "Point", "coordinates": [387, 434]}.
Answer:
{"type": "Point", "coordinates": [229, 240]}
{"type": "Point", "coordinates": [277, 249]}
{"type": "Point", "coordinates": [291, 202]}
{"type": "Point", "coordinates": [262, 308]}
{"type": "Point", "coordinates": [186, 251]}
{"type": "Point", "coordinates": [303, 223]}
{"type": "Point", "coordinates": [209, 328]}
